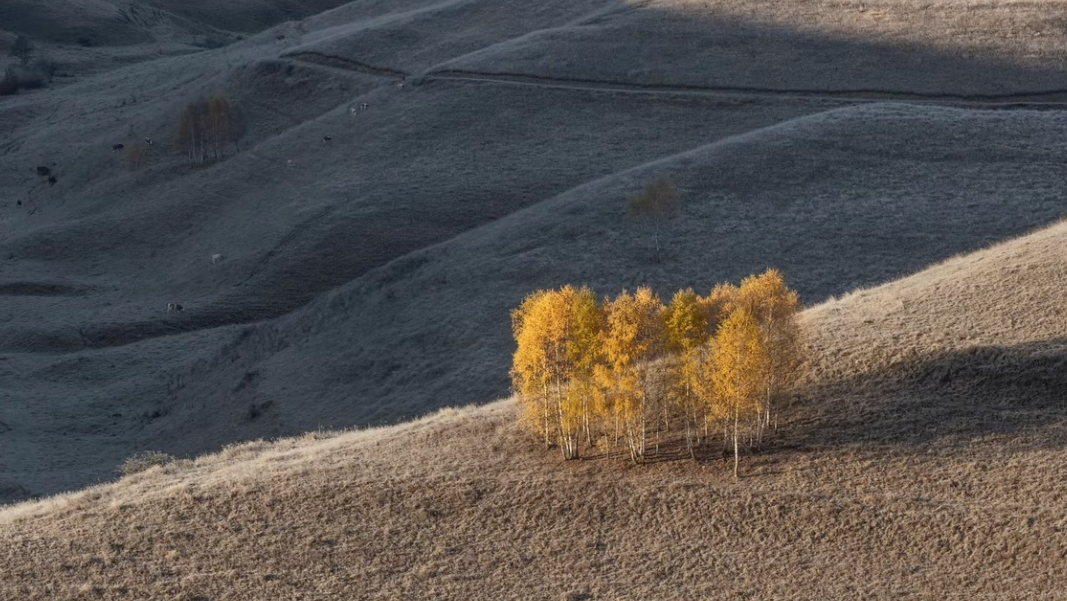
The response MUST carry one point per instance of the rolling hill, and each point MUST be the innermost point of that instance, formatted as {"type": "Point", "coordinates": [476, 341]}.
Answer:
{"type": "Point", "coordinates": [407, 172]}
{"type": "Point", "coordinates": [887, 480]}
{"type": "Point", "coordinates": [476, 150]}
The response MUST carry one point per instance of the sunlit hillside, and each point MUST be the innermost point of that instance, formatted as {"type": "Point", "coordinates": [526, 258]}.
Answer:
{"type": "Point", "coordinates": [928, 471]}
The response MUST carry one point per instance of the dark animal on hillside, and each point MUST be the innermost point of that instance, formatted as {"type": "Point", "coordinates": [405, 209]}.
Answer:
{"type": "Point", "coordinates": [43, 171]}
{"type": "Point", "coordinates": [117, 147]}
{"type": "Point", "coordinates": [326, 139]}
{"type": "Point", "coordinates": [148, 141]}
{"type": "Point", "coordinates": [171, 307]}
{"type": "Point", "coordinates": [51, 180]}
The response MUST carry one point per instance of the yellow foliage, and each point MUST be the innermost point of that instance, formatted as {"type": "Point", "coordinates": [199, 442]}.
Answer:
{"type": "Point", "coordinates": [720, 303]}
{"type": "Point", "coordinates": [767, 297]}
{"type": "Point", "coordinates": [688, 334]}
{"type": "Point", "coordinates": [774, 306]}
{"type": "Point", "coordinates": [629, 365]}
{"type": "Point", "coordinates": [557, 333]}
{"type": "Point", "coordinates": [686, 321]}
{"type": "Point", "coordinates": [741, 360]}
{"type": "Point", "coordinates": [635, 335]}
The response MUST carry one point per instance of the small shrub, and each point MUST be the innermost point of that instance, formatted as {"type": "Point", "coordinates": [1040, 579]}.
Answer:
{"type": "Point", "coordinates": [22, 49]}
{"type": "Point", "coordinates": [46, 68]}
{"type": "Point", "coordinates": [27, 77]}
{"type": "Point", "coordinates": [144, 460]}
{"type": "Point", "coordinates": [211, 42]}
{"type": "Point", "coordinates": [31, 81]}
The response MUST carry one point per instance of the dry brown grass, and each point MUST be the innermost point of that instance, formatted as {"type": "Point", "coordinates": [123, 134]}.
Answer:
{"type": "Point", "coordinates": [855, 498]}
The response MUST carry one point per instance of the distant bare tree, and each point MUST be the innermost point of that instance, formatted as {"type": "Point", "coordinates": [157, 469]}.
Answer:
{"type": "Point", "coordinates": [10, 83]}
{"type": "Point", "coordinates": [191, 131]}
{"type": "Point", "coordinates": [656, 204]}
{"type": "Point", "coordinates": [222, 125]}
{"type": "Point", "coordinates": [22, 49]}
{"type": "Point", "coordinates": [207, 126]}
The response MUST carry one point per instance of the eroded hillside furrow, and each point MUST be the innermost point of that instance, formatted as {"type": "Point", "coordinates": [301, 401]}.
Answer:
{"type": "Point", "coordinates": [345, 64]}
{"type": "Point", "coordinates": [1049, 99]}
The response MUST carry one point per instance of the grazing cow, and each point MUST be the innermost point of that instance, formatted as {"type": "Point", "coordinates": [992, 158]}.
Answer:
{"type": "Point", "coordinates": [148, 141]}
{"type": "Point", "coordinates": [51, 180]}
{"type": "Point", "coordinates": [43, 171]}
{"type": "Point", "coordinates": [215, 258]}
{"type": "Point", "coordinates": [290, 163]}
{"type": "Point", "coordinates": [19, 203]}
{"type": "Point", "coordinates": [172, 307]}
{"type": "Point", "coordinates": [117, 147]}
{"type": "Point", "coordinates": [326, 139]}
{"type": "Point", "coordinates": [363, 106]}
{"type": "Point", "coordinates": [400, 86]}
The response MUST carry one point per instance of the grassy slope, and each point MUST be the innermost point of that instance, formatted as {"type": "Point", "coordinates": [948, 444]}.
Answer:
{"type": "Point", "coordinates": [111, 23]}
{"type": "Point", "coordinates": [890, 46]}
{"type": "Point", "coordinates": [111, 248]}
{"type": "Point", "coordinates": [105, 249]}
{"type": "Point", "coordinates": [431, 329]}
{"type": "Point", "coordinates": [460, 504]}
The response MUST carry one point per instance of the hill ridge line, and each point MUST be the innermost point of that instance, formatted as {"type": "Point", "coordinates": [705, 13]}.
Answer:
{"type": "Point", "coordinates": [860, 95]}
{"type": "Point", "coordinates": [1012, 101]}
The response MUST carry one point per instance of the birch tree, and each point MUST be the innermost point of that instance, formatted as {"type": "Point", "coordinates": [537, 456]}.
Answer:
{"type": "Point", "coordinates": [740, 359]}
{"type": "Point", "coordinates": [22, 49]}
{"type": "Point", "coordinates": [557, 333]}
{"type": "Point", "coordinates": [222, 127]}
{"type": "Point", "coordinates": [687, 335]}
{"type": "Point", "coordinates": [774, 307]}
{"type": "Point", "coordinates": [192, 128]}
{"type": "Point", "coordinates": [584, 349]}
{"type": "Point", "coordinates": [656, 204]}
{"type": "Point", "coordinates": [633, 338]}
{"type": "Point", "coordinates": [207, 127]}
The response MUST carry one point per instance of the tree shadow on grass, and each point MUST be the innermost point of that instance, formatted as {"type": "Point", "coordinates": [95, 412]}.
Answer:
{"type": "Point", "coordinates": [1016, 393]}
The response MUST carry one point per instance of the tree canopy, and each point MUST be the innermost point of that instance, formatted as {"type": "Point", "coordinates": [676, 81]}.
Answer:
{"type": "Point", "coordinates": [631, 368]}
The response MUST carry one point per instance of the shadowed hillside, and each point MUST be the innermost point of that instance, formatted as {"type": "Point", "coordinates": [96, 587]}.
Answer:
{"type": "Point", "coordinates": [407, 171]}
{"type": "Point", "coordinates": [848, 226]}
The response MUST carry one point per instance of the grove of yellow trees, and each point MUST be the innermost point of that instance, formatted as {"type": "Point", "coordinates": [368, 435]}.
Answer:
{"type": "Point", "coordinates": [631, 368]}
